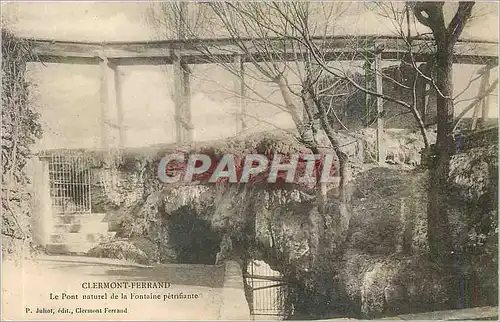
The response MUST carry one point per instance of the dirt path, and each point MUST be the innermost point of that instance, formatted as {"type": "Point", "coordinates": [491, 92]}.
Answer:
{"type": "Point", "coordinates": [28, 286]}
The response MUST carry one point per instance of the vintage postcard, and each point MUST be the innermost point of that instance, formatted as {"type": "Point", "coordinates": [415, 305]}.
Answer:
{"type": "Point", "coordinates": [248, 160]}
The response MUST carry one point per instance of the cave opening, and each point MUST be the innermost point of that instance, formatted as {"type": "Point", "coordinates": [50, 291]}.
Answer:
{"type": "Point", "coordinates": [192, 238]}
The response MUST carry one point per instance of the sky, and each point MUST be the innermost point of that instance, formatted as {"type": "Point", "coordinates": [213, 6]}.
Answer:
{"type": "Point", "coordinates": [68, 95]}
{"type": "Point", "coordinates": [108, 21]}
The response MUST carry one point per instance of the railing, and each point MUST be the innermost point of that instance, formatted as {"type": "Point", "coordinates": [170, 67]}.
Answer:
{"type": "Point", "coordinates": [268, 290]}
{"type": "Point", "coordinates": [70, 179]}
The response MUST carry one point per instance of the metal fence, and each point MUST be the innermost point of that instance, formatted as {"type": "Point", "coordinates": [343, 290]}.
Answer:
{"type": "Point", "coordinates": [70, 178]}
{"type": "Point", "coordinates": [268, 288]}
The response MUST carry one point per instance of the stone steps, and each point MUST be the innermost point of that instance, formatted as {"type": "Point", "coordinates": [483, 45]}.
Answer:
{"type": "Point", "coordinates": [79, 228]}
{"type": "Point", "coordinates": [79, 218]}
{"type": "Point", "coordinates": [78, 233]}
{"type": "Point", "coordinates": [72, 238]}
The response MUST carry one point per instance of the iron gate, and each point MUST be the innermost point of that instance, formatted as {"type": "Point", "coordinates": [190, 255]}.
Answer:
{"type": "Point", "coordinates": [69, 177]}
{"type": "Point", "coordinates": [267, 290]}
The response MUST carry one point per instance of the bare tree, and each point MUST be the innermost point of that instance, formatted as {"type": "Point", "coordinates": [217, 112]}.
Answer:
{"type": "Point", "coordinates": [443, 40]}
{"type": "Point", "coordinates": [276, 30]}
{"type": "Point", "coordinates": [445, 36]}
{"type": "Point", "coordinates": [264, 28]}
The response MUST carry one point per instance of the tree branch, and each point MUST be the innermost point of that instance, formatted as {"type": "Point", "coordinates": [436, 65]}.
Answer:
{"type": "Point", "coordinates": [430, 14]}
{"type": "Point", "coordinates": [490, 89]}
{"type": "Point", "coordinates": [459, 21]}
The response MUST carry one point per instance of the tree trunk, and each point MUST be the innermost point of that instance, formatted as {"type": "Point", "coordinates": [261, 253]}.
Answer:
{"type": "Point", "coordinates": [438, 222]}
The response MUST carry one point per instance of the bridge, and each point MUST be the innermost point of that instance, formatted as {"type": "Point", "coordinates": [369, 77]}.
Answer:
{"type": "Point", "coordinates": [110, 56]}
{"type": "Point", "coordinates": [202, 51]}
{"type": "Point", "coordinates": [182, 53]}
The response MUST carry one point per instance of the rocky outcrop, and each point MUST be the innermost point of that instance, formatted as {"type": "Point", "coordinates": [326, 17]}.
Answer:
{"type": "Point", "coordinates": [372, 265]}
{"type": "Point", "coordinates": [474, 204]}
{"type": "Point", "coordinates": [121, 249]}
{"type": "Point", "coordinates": [366, 257]}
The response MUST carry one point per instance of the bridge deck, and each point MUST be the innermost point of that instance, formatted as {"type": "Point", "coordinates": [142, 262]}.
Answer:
{"type": "Point", "coordinates": [204, 51]}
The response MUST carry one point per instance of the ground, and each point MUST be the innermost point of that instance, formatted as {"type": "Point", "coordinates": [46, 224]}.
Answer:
{"type": "Point", "coordinates": [27, 285]}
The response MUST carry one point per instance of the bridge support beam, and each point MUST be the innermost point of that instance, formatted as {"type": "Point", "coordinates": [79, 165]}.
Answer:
{"type": "Point", "coordinates": [240, 89]}
{"type": "Point", "coordinates": [368, 69]}
{"type": "Point", "coordinates": [111, 106]}
{"type": "Point", "coordinates": [484, 103]}
{"type": "Point", "coordinates": [421, 92]}
{"type": "Point", "coordinates": [119, 108]}
{"type": "Point", "coordinates": [381, 151]}
{"type": "Point", "coordinates": [182, 100]}
{"type": "Point", "coordinates": [104, 98]}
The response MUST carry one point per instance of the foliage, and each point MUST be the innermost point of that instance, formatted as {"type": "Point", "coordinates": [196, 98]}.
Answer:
{"type": "Point", "coordinates": [20, 129]}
